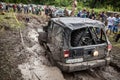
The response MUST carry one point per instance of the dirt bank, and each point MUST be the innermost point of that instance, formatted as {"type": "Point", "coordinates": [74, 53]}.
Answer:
{"type": "Point", "coordinates": [11, 55]}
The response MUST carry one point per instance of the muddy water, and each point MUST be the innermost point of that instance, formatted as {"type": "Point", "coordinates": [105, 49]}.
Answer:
{"type": "Point", "coordinates": [37, 67]}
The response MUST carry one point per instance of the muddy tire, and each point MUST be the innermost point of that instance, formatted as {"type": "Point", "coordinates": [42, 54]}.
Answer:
{"type": "Point", "coordinates": [76, 38]}
{"type": "Point", "coordinates": [50, 58]}
{"type": "Point", "coordinates": [81, 38]}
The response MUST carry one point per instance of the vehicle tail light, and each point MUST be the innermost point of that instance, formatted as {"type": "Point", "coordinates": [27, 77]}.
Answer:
{"type": "Point", "coordinates": [66, 53]}
{"type": "Point", "coordinates": [109, 47]}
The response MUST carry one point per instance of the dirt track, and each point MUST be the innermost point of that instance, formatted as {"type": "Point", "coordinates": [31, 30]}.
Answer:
{"type": "Point", "coordinates": [22, 58]}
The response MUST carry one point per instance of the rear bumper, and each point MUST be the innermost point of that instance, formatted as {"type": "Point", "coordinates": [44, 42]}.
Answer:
{"type": "Point", "coordinates": [83, 65]}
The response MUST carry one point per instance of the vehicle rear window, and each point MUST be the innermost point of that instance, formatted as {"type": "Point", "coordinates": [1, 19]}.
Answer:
{"type": "Point", "coordinates": [88, 36]}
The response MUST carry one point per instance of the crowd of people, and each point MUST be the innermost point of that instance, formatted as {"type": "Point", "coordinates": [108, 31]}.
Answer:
{"type": "Point", "coordinates": [35, 9]}
{"type": "Point", "coordinates": [112, 21]}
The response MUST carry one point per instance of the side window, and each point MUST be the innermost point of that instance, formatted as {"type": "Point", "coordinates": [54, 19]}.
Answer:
{"type": "Point", "coordinates": [57, 32]}
{"type": "Point", "coordinates": [50, 27]}
{"type": "Point", "coordinates": [99, 33]}
{"type": "Point", "coordinates": [50, 24]}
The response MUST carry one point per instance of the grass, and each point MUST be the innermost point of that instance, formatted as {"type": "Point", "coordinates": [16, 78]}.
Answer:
{"type": "Point", "coordinates": [9, 20]}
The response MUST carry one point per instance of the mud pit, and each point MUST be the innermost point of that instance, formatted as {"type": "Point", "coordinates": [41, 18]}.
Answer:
{"type": "Point", "coordinates": [38, 66]}
{"type": "Point", "coordinates": [28, 61]}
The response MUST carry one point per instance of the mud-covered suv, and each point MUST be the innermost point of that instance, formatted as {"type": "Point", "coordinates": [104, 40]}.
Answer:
{"type": "Point", "coordinates": [76, 43]}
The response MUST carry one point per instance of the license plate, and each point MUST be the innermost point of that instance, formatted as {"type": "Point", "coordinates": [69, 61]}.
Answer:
{"type": "Point", "coordinates": [74, 60]}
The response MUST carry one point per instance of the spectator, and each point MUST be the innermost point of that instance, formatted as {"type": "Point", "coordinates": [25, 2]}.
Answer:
{"type": "Point", "coordinates": [26, 10]}
{"type": "Point", "coordinates": [116, 22]}
{"type": "Point", "coordinates": [47, 10]}
{"type": "Point", "coordinates": [33, 10]}
{"type": "Point", "coordinates": [79, 13]}
{"type": "Point", "coordinates": [50, 12]}
{"type": "Point", "coordinates": [37, 10]}
{"type": "Point", "coordinates": [7, 7]}
{"type": "Point", "coordinates": [0, 6]}
{"type": "Point", "coordinates": [14, 7]}
{"type": "Point", "coordinates": [18, 8]}
{"type": "Point", "coordinates": [99, 17]}
{"type": "Point", "coordinates": [88, 14]}
{"type": "Point", "coordinates": [92, 15]}
{"type": "Point", "coordinates": [110, 21]}
{"type": "Point", "coordinates": [66, 12]}
{"type": "Point", "coordinates": [30, 9]}
{"type": "Point", "coordinates": [104, 17]}
{"type": "Point", "coordinates": [40, 10]}
{"type": "Point", "coordinates": [84, 13]}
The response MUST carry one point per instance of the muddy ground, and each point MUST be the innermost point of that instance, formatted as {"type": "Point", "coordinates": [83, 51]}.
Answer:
{"type": "Point", "coordinates": [22, 58]}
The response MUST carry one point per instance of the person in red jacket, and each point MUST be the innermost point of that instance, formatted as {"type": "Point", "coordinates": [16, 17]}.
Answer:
{"type": "Point", "coordinates": [14, 7]}
{"type": "Point", "coordinates": [1, 6]}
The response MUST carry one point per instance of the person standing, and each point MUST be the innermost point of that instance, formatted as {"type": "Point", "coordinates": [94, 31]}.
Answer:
{"type": "Point", "coordinates": [88, 14]}
{"type": "Point", "coordinates": [116, 23]}
{"type": "Point", "coordinates": [66, 12]}
{"type": "Point", "coordinates": [47, 10]}
{"type": "Point", "coordinates": [104, 17]}
{"type": "Point", "coordinates": [7, 7]}
{"type": "Point", "coordinates": [84, 13]}
{"type": "Point", "coordinates": [18, 8]}
{"type": "Point", "coordinates": [74, 5]}
{"type": "Point", "coordinates": [110, 21]}
{"type": "Point", "coordinates": [14, 7]}
{"type": "Point", "coordinates": [92, 15]}
{"type": "Point", "coordinates": [79, 13]}
{"type": "Point", "coordinates": [0, 6]}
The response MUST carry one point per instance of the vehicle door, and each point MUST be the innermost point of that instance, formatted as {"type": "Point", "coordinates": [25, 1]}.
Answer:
{"type": "Point", "coordinates": [56, 43]}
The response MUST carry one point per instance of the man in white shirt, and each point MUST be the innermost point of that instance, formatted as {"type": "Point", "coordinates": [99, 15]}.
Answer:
{"type": "Point", "coordinates": [110, 20]}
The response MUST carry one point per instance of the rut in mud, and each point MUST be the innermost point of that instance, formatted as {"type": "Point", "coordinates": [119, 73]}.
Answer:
{"type": "Point", "coordinates": [94, 74]}
{"type": "Point", "coordinates": [24, 59]}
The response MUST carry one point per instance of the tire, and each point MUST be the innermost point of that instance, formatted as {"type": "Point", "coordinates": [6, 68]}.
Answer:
{"type": "Point", "coordinates": [81, 38]}
{"type": "Point", "coordinates": [76, 36]}
{"type": "Point", "coordinates": [50, 58]}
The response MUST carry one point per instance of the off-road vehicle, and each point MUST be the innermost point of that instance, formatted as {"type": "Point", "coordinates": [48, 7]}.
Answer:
{"type": "Point", "coordinates": [76, 44]}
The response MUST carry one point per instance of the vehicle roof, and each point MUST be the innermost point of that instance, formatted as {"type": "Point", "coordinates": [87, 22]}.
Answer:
{"type": "Point", "coordinates": [76, 22]}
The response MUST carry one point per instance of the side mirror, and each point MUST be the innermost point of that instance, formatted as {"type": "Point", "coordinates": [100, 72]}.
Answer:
{"type": "Point", "coordinates": [45, 28]}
